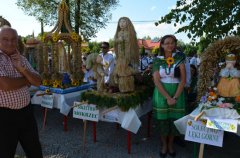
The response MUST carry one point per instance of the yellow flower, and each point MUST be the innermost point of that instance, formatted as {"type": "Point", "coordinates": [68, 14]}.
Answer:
{"type": "Point", "coordinates": [55, 37]}
{"type": "Point", "coordinates": [170, 60]}
{"type": "Point", "coordinates": [204, 122]}
{"type": "Point", "coordinates": [45, 82]}
{"type": "Point", "coordinates": [57, 83]}
{"type": "Point", "coordinates": [232, 127]}
{"type": "Point", "coordinates": [75, 83]}
{"type": "Point", "coordinates": [74, 36]}
{"type": "Point", "coordinates": [47, 91]}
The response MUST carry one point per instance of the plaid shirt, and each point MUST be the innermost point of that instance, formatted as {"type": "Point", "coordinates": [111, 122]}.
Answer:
{"type": "Point", "coordinates": [13, 99]}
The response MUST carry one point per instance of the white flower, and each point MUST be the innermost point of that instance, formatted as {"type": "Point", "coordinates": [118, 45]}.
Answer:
{"type": "Point", "coordinates": [221, 99]}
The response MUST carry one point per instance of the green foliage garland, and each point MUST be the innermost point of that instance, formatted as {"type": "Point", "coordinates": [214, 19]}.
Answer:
{"type": "Point", "coordinates": [124, 101]}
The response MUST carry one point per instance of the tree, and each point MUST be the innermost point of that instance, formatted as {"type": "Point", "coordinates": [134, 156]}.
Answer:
{"type": "Point", "coordinates": [142, 51]}
{"type": "Point", "coordinates": [94, 47]}
{"type": "Point", "coordinates": [111, 43]}
{"type": "Point", "coordinates": [147, 37]}
{"type": "Point", "coordinates": [190, 50]}
{"type": "Point", "coordinates": [203, 44]}
{"type": "Point", "coordinates": [213, 19]}
{"type": "Point", "coordinates": [155, 50]}
{"type": "Point", "coordinates": [87, 15]}
{"type": "Point", "coordinates": [156, 39]}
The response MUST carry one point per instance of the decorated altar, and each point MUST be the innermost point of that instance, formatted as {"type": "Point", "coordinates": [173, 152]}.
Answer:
{"type": "Point", "coordinates": [218, 101]}
{"type": "Point", "coordinates": [61, 57]}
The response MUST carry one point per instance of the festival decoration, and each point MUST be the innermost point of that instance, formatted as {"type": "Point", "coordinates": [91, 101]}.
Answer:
{"type": "Point", "coordinates": [54, 43]}
{"type": "Point", "coordinates": [211, 58]}
{"type": "Point", "coordinates": [127, 55]}
{"type": "Point", "coordinates": [212, 97]}
{"type": "Point", "coordinates": [123, 101]}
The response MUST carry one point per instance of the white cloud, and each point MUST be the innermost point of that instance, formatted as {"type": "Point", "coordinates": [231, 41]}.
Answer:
{"type": "Point", "coordinates": [159, 31]}
{"type": "Point", "coordinates": [153, 8]}
{"type": "Point", "coordinates": [142, 30]}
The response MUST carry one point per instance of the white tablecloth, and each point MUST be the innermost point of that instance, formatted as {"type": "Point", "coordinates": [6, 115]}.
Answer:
{"type": "Point", "coordinates": [64, 102]}
{"type": "Point", "coordinates": [181, 124]}
{"type": "Point", "coordinates": [129, 120]}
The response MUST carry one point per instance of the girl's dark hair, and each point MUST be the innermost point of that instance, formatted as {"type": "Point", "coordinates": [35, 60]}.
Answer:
{"type": "Point", "coordinates": [195, 69]}
{"type": "Point", "coordinates": [162, 42]}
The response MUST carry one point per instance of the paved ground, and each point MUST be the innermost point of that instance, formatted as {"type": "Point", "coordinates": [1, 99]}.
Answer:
{"type": "Point", "coordinates": [112, 142]}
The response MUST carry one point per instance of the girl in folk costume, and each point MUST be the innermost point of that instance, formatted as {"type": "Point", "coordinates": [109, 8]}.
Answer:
{"type": "Point", "coordinates": [127, 55]}
{"type": "Point", "coordinates": [229, 85]}
{"type": "Point", "coordinates": [168, 95]}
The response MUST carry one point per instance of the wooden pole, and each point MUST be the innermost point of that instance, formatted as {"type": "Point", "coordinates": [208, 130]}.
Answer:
{"type": "Point", "coordinates": [84, 133]}
{"type": "Point", "coordinates": [44, 117]}
{"type": "Point", "coordinates": [201, 149]}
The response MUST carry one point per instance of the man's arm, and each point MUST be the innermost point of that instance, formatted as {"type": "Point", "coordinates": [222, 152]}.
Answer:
{"type": "Point", "coordinates": [32, 78]}
{"type": "Point", "coordinates": [7, 83]}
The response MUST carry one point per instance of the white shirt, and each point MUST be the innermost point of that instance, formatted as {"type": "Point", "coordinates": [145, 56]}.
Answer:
{"type": "Point", "coordinates": [143, 63]}
{"type": "Point", "coordinates": [108, 62]}
{"type": "Point", "coordinates": [193, 61]}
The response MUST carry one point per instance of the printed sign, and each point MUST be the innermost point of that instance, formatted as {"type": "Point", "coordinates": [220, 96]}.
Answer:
{"type": "Point", "coordinates": [85, 111]}
{"type": "Point", "coordinates": [47, 101]}
{"type": "Point", "coordinates": [198, 132]}
{"type": "Point", "coordinates": [112, 115]}
{"type": "Point", "coordinates": [223, 124]}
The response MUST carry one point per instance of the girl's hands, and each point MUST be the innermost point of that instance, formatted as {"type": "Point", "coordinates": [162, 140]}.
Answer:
{"type": "Point", "coordinates": [171, 101]}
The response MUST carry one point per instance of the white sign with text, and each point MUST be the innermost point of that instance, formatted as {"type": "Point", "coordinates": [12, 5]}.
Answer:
{"type": "Point", "coordinates": [47, 101]}
{"type": "Point", "coordinates": [85, 111]}
{"type": "Point", "coordinates": [229, 125]}
{"type": "Point", "coordinates": [198, 132]}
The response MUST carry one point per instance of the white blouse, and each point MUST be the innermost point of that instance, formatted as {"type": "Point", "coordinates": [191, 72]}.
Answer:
{"type": "Point", "coordinates": [166, 76]}
{"type": "Point", "coordinates": [230, 72]}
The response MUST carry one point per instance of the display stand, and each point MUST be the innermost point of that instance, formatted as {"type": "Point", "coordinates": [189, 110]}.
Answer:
{"type": "Point", "coordinates": [62, 100]}
{"type": "Point", "coordinates": [118, 116]}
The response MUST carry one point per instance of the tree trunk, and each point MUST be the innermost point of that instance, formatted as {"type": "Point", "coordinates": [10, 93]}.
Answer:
{"type": "Point", "coordinates": [77, 16]}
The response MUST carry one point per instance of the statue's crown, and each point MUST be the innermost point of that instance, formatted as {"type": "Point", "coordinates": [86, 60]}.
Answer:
{"type": "Point", "coordinates": [230, 57]}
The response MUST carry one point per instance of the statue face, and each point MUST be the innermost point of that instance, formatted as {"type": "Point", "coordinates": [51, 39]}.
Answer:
{"type": "Point", "coordinates": [123, 23]}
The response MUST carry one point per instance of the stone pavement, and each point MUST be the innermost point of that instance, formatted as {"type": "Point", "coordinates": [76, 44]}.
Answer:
{"type": "Point", "coordinates": [112, 141]}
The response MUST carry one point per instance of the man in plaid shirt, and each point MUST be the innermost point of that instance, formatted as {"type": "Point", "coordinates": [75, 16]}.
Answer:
{"type": "Point", "coordinates": [17, 121]}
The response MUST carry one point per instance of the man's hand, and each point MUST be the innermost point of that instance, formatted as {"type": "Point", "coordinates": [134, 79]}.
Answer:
{"type": "Point", "coordinates": [16, 61]}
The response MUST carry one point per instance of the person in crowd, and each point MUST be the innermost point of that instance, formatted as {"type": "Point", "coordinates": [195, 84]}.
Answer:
{"type": "Point", "coordinates": [192, 89]}
{"type": "Point", "coordinates": [108, 61]}
{"type": "Point", "coordinates": [193, 60]}
{"type": "Point", "coordinates": [198, 61]}
{"type": "Point", "coordinates": [144, 62]}
{"type": "Point", "coordinates": [168, 95]}
{"type": "Point", "coordinates": [17, 120]}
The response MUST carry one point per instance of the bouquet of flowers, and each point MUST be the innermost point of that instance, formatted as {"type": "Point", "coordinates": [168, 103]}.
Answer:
{"type": "Point", "coordinates": [212, 100]}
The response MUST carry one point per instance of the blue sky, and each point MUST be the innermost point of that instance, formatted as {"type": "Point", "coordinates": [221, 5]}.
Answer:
{"type": "Point", "coordinates": [136, 10]}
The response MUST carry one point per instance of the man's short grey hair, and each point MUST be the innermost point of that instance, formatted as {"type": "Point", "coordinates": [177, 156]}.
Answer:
{"type": "Point", "coordinates": [5, 27]}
